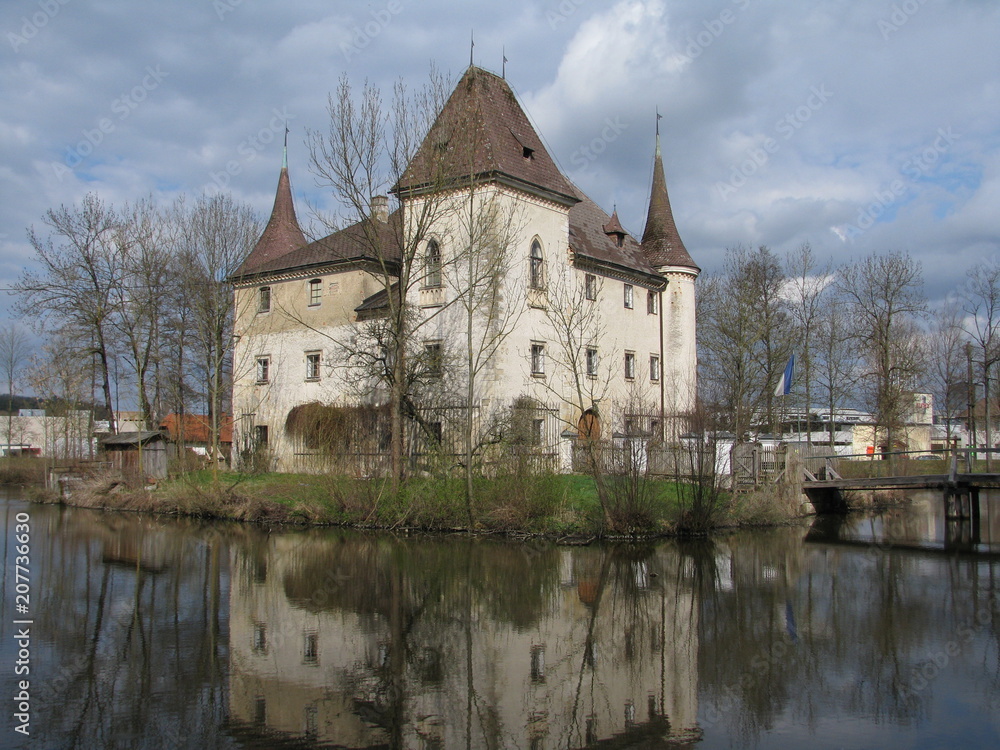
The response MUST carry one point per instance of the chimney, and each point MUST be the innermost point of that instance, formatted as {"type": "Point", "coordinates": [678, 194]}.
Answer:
{"type": "Point", "coordinates": [380, 208]}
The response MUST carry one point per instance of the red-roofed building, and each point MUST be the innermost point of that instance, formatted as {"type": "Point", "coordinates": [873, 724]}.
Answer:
{"type": "Point", "coordinates": [303, 308]}
{"type": "Point", "coordinates": [193, 432]}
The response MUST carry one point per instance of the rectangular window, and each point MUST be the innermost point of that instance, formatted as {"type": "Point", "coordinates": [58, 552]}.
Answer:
{"type": "Point", "coordinates": [538, 663]}
{"type": "Point", "coordinates": [312, 365]}
{"type": "Point", "coordinates": [628, 296]}
{"type": "Point", "coordinates": [260, 637]}
{"type": "Point", "coordinates": [315, 292]}
{"type": "Point", "coordinates": [434, 360]}
{"type": "Point", "coordinates": [260, 435]}
{"type": "Point", "coordinates": [592, 362]}
{"type": "Point", "coordinates": [654, 367]}
{"type": "Point", "coordinates": [537, 431]}
{"type": "Point", "coordinates": [263, 369]}
{"type": "Point", "coordinates": [629, 365]}
{"type": "Point", "coordinates": [590, 286]}
{"type": "Point", "coordinates": [310, 648]}
{"type": "Point", "coordinates": [652, 302]}
{"type": "Point", "coordinates": [264, 299]}
{"type": "Point", "coordinates": [538, 359]}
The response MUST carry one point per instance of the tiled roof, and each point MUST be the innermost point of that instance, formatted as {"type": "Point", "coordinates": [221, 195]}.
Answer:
{"type": "Point", "coordinates": [356, 243]}
{"type": "Point", "coordinates": [661, 242]}
{"type": "Point", "coordinates": [377, 301]}
{"type": "Point", "coordinates": [482, 131]}
{"type": "Point", "coordinates": [282, 233]}
{"type": "Point", "coordinates": [587, 238]}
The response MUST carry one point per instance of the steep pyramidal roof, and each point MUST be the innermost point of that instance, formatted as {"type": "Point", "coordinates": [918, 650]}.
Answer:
{"type": "Point", "coordinates": [282, 234]}
{"type": "Point", "coordinates": [482, 132]}
{"type": "Point", "coordinates": [661, 242]}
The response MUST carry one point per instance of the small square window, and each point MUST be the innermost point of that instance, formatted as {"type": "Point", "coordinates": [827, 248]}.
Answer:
{"type": "Point", "coordinates": [263, 369]}
{"type": "Point", "coordinates": [629, 365]}
{"type": "Point", "coordinates": [538, 359]}
{"type": "Point", "coordinates": [628, 296]}
{"type": "Point", "coordinates": [592, 362]}
{"type": "Point", "coordinates": [590, 286]}
{"type": "Point", "coordinates": [313, 360]}
{"type": "Point", "coordinates": [652, 302]}
{"type": "Point", "coordinates": [315, 292]}
{"type": "Point", "coordinates": [654, 367]}
{"type": "Point", "coordinates": [264, 299]}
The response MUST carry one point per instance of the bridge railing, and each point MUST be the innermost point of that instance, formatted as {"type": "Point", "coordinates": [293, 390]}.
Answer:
{"type": "Point", "coordinates": [904, 463]}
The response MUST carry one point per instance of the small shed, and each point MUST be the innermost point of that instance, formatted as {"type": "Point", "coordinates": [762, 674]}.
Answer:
{"type": "Point", "coordinates": [128, 451]}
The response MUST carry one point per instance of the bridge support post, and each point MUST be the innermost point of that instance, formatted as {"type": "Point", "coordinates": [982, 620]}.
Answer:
{"type": "Point", "coordinates": [827, 500]}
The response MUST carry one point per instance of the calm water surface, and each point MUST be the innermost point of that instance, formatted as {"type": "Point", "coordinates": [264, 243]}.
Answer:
{"type": "Point", "coordinates": [875, 632]}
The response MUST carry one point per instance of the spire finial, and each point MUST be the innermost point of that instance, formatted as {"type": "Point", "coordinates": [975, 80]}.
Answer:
{"type": "Point", "coordinates": [472, 46]}
{"type": "Point", "coordinates": [503, 69]}
{"type": "Point", "coordinates": [284, 155]}
{"type": "Point", "coordinates": [658, 118]}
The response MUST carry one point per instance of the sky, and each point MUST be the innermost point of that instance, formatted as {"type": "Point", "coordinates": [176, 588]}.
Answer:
{"type": "Point", "coordinates": [858, 127]}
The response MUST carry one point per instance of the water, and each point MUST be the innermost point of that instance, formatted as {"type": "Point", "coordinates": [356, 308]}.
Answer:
{"type": "Point", "coordinates": [150, 633]}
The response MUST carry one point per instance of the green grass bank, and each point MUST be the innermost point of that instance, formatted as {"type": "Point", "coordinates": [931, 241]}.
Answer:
{"type": "Point", "coordinates": [548, 504]}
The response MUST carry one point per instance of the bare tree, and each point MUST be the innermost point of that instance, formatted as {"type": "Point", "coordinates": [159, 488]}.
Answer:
{"type": "Point", "coordinates": [746, 335]}
{"type": "Point", "coordinates": [807, 282]}
{"type": "Point", "coordinates": [981, 304]}
{"type": "Point", "coordinates": [490, 311]}
{"type": "Point", "coordinates": [370, 149]}
{"type": "Point", "coordinates": [15, 347]}
{"type": "Point", "coordinates": [836, 359]}
{"type": "Point", "coordinates": [144, 247]}
{"type": "Point", "coordinates": [885, 296]}
{"type": "Point", "coordinates": [946, 345]}
{"type": "Point", "coordinates": [217, 235]}
{"type": "Point", "coordinates": [583, 353]}
{"type": "Point", "coordinates": [80, 269]}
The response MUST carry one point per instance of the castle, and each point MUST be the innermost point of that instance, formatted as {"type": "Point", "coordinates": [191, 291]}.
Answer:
{"type": "Point", "coordinates": [518, 291]}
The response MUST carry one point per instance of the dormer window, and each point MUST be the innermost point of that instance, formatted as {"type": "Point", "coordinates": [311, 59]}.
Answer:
{"type": "Point", "coordinates": [527, 153]}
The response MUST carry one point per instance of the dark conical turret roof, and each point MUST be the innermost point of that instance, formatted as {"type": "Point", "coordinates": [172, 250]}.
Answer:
{"type": "Point", "coordinates": [661, 242]}
{"type": "Point", "coordinates": [483, 133]}
{"type": "Point", "coordinates": [282, 234]}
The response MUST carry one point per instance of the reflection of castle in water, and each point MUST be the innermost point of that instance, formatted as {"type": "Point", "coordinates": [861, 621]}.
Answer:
{"type": "Point", "coordinates": [363, 643]}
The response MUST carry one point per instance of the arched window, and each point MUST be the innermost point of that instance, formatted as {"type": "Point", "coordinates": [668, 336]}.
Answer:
{"type": "Point", "coordinates": [536, 266]}
{"type": "Point", "coordinates": [432, 264]}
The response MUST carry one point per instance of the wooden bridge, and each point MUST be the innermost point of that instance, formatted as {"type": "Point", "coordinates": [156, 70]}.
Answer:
{"type": "Point", "coordinates": [825, 486]}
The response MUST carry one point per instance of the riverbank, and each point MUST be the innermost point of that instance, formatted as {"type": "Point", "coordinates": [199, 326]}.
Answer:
{"type": "Point", "coordinates": [543, 505]}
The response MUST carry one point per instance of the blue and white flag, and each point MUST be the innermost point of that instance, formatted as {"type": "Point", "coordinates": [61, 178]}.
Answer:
{"type": "Point", "coordinates": [785, 382]}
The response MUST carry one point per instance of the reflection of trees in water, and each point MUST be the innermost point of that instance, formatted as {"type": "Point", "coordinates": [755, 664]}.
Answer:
{"type": "Point", "coordinates": [798, 632]}
{"type": "Point", "coordinates": [131, 657]}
